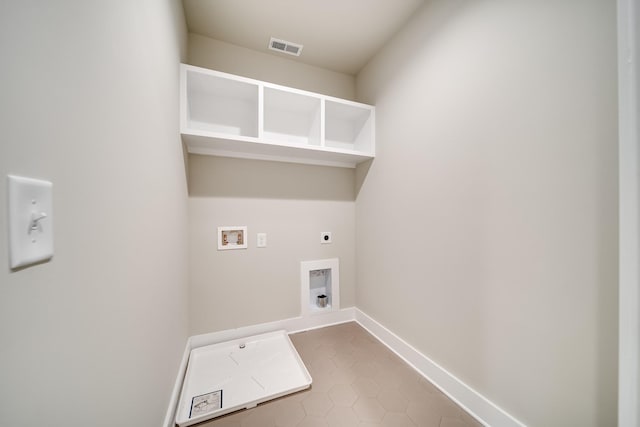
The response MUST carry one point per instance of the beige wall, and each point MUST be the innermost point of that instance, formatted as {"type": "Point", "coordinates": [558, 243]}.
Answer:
{"type": "Point", "coordinates": [495, 183]}
{"type": "Point", "coordinates": [90, 101]}
{"type": "Point", "coordinates": [293, 204]}
{"type": "Point", "coordinates": [275, 68]}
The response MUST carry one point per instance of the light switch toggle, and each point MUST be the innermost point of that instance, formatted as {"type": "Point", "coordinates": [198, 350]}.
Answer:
{"type": "Point", "coordinates": [35, 221]}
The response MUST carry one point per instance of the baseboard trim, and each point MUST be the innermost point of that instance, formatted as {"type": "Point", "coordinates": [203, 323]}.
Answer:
{"type": "Point", "coordinates": [291, 325]}
{"type": "Point", "coordinates": [170, 416]}
{"type": "Point", "coordinates": [478, 406]}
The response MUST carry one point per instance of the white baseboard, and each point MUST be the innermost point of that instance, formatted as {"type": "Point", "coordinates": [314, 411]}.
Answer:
{"type": "Point", "coordinates": [294, 324]}
{"type": "Point", "coordinates": [470, 400]}
{"type": "Point", "coordinates": [170, 416]}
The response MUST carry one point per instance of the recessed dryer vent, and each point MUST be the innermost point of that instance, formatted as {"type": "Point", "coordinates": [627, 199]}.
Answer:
{"type": "Point", "coordinates": [285, 46]}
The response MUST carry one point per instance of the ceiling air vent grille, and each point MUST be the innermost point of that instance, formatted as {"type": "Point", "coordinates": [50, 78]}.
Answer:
{"type": "Point", "coordinates": [285, 46]}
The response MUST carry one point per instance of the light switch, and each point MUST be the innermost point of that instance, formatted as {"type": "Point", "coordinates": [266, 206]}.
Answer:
{"type": "Point", "coordinates": [262, 240]}
{"type": "Point", "coordinates": [30, 221]}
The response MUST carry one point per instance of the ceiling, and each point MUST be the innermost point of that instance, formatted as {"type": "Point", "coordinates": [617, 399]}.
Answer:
{"type": "Point", "coordinates": [339, 35]}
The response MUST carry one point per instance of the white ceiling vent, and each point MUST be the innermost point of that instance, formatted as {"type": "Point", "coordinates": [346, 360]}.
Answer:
{"type": "Point", "coordinates": [285, 46]}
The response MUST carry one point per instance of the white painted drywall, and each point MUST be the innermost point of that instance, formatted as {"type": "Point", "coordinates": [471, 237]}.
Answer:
{"type": "Point", "coordinates": [495, 186]}
{"type": "Point", "coordinates": [90, 101]}
{"type": "Point", "coordinates": [275, 68]}
{"type": "Point", "coordinates": [293, 204]}
{"type": "Point", "coordinates": [629, 110]}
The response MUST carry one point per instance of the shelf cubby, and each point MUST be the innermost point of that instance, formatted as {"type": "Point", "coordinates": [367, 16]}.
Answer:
{"type": "Point", "coordinates": [291, 117]}
{"type": "Point", "coordinates": [221, 106]}
{"type": "Point", "coordinates": [348, 127]}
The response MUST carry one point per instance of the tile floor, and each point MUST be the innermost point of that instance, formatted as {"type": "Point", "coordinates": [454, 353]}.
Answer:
{"type": "Point", "coordinates": [357, 381]}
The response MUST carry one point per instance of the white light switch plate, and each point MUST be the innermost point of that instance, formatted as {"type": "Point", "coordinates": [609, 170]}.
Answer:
{"type": "Point", "coordinates": [30, 221]}
{"type": "Point", "coordinates": [262, 240]}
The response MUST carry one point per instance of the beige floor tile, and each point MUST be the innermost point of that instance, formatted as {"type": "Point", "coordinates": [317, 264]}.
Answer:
{"type": "Point", "coordinates": [392, 400]}
{"type": "Point", "coordinates": [388, 378]}
{"type": "Point", "coordinates": [452, 422]}
{"type": "Point", "coordinates": [322, 383]}
{"type": "Point", "coordinates": [357, 382]}
{"type": "Point", "coordinates": [320, 366]}
{"type": "Point", "coordinates": [259, 417]}
{"type": "Point", "coordinates": [324, 351]}
{"type": "Point", "coordinates": [342, 376]}
{"type": "Point", "coordinates": [312, 421]}
{"type": "Point", "coordinates": [306, 339]}
{"type": "Point", "coordinates": [344, 359]}
{"type": "Point", "coordinates": [416, 390]}
{"type": "Point", "coordinates": [367, 368]}
{"type": "Point", "coordinates": [427, 386]}
{"type": "Point", "coordinates": [342, 416]}
{"type": "Point", "coordinates": [317, 404]}
{"type": "Point", "coordinates": [296, 397]}
{"type": "Point", "coordinates": [397, 419]}
{"type": "Point", "coordinates": [289, 413]}
{"type": "Point", "coordinates": [444, 406]}
{"type": "Point", "coordinates": [366, 387]}
{"type": "Point", "coordinates": [422, 415]}
{"type": "Point", "coordinates": [343, 395]}
{"type": "Point", "coordinates": [471, 422]}
{"type": "Point", "coordinates": [369, 409]}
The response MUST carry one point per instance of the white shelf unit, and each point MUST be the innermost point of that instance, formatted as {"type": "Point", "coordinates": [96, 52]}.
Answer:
{"type": "Point", "coordinates": [226, 115]}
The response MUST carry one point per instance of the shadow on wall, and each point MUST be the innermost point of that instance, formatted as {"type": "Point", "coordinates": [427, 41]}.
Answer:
{"type": "Point", "coordinates": [418, 34]}
{"type": "Point", "coordinates": [361, 173]}
{"type": "Point", "coordinates": [212, 176]}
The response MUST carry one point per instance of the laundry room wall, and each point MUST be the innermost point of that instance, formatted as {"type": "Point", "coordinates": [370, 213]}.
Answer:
{"type": "Point", "coordinates": [95, 336]}
{"type": "Point", "coordinates": [291, 203]}
{"type": "Point", "coordinates": [495, 185]}
{"type": "Point", "coordinates": [275, 68]}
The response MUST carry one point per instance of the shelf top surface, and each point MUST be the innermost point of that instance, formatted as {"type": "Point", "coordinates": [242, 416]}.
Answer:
{"type": "Point", "coordinates": [200, 70]}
